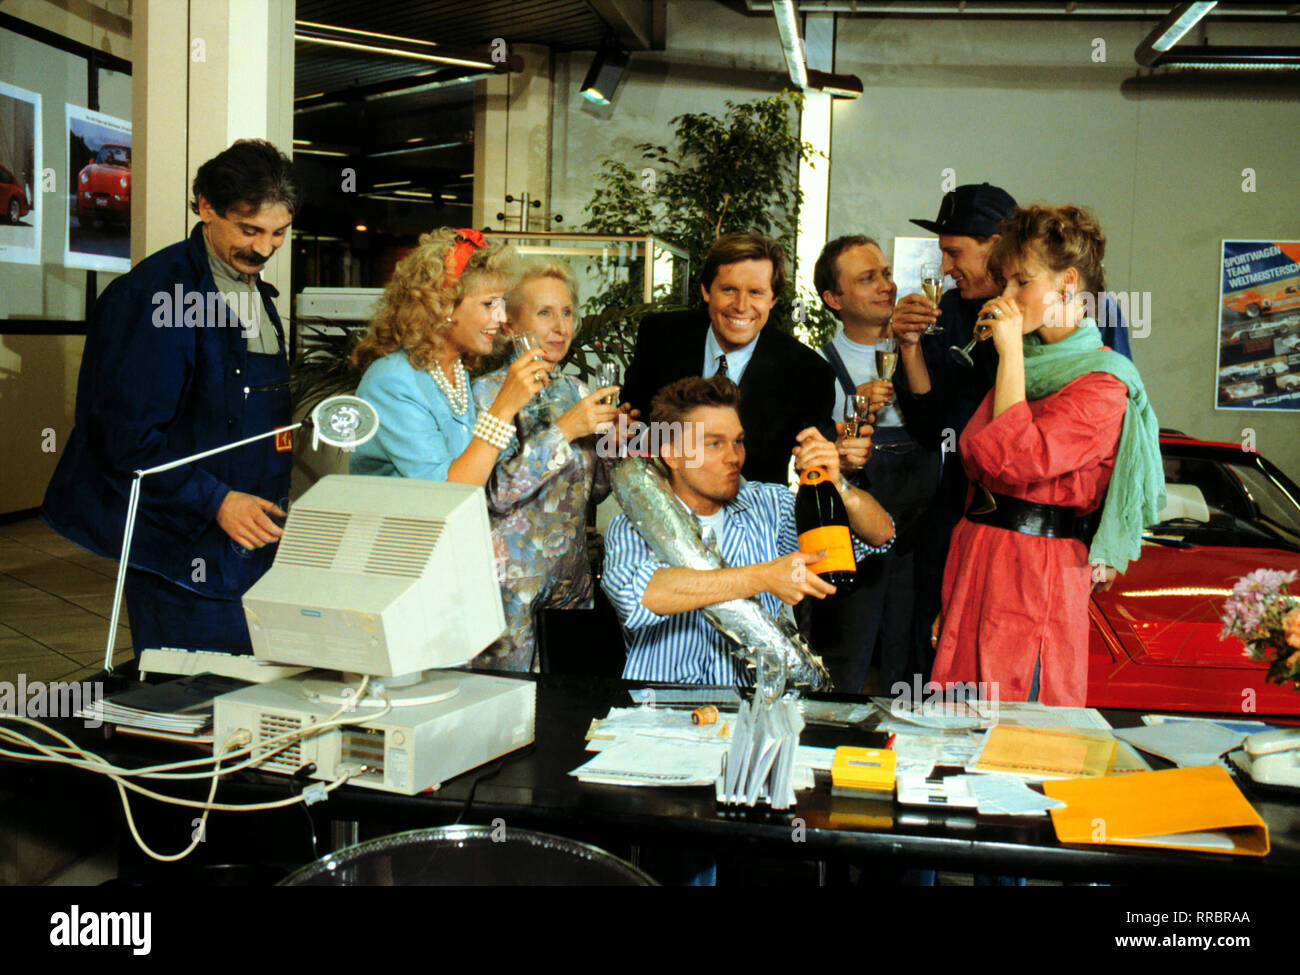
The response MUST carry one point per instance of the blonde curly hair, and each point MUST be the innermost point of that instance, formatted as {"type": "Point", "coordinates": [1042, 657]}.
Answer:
{"type": "Point", "coordinates": [418, 300]}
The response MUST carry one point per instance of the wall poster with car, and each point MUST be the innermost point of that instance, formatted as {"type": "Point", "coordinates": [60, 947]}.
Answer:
{"type": "Point", "coordinates": [99, 197]}
{"type": "Point", "coordinates": [1259, 326]}
{"type": "Point", "coordinates": [20, 169]}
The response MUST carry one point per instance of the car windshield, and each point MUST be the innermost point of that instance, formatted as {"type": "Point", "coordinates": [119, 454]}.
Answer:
{"type": "Point", "coordinates": [117, 155]}
{"type": "Point", "coordinates": [1228, 503]}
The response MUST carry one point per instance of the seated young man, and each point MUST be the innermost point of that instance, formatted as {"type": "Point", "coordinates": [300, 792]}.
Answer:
{"type": "Point", "coordinates": [753, 523]}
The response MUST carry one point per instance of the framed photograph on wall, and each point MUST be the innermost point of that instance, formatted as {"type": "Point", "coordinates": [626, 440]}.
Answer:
{"type": "Point", "coordinates": [99, 198]}
{"type": "Point", "coordinates": [20, 175]}
{"type": "Point", "coordinates": [1259, 326]}
{"type": "Point", "coordinates": [910, 255]}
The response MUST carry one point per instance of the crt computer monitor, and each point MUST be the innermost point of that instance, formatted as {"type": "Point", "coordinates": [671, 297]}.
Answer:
{"type": "Point", "coordinates": [383, 576]}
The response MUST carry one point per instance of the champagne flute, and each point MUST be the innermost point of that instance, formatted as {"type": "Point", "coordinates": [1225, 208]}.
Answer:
{"type": "Point", "coordinates": [856, 410]}
{"type": "Point", "coordinates": [886, 358]}
{"type": "Point", "coordinates": [982, 331]}
{"type": "Point", "coordinates": [526, 343]}
{"type": "Point", "coordinates": [607, 375]}
{"type": "Point", "coordinates": [932, 285]}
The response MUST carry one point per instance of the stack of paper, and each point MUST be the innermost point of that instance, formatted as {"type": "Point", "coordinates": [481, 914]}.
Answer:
{"type": "Point", "coordinates": [639, 760]}
{"type": "Point", "coordinates": [761, 763]}
{"type": "Point", "coordinates": [182, 706]}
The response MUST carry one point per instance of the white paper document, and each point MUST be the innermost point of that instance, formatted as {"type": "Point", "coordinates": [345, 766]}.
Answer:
{"type": "Point", "coordinates": [1005, 795]}
{"type": "Point", "coordinates": [919, 751]}
{"type": "Point", "coordinates": [636, 760]}
{"type": "Point", "coordinates": [657, 723]}
{"type": "Point", "coordinates": [1030, 714]}
{"type": "Point", "coordinates": [1184, 743]}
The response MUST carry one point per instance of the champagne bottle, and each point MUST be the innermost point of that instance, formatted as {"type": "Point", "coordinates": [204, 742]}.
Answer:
{"type": "Point", "coordinates": [822, 522]}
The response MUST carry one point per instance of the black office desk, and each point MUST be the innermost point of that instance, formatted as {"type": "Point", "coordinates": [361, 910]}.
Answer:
{"type": "Point", "coordinates": [532, 790]}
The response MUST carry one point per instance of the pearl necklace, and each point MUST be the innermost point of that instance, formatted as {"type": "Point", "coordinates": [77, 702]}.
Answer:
{"type": "Point", "coordinates": [457, 393]}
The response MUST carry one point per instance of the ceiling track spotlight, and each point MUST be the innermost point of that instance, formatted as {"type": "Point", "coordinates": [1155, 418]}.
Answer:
{"type": "Point", "coordinates": [607, 70]}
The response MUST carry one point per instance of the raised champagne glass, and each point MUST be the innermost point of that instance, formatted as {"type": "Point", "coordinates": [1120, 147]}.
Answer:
{"type": "Point", "coordinates": [932, 285]}
{"type": "Point", "coordinates": [886, 358]}
{"type": "Point", "coordinates": [983, 329]}
{"type": "Point", "coordinates": [856, 410]}
{"type": "Point", "coordinates": [607, 375]}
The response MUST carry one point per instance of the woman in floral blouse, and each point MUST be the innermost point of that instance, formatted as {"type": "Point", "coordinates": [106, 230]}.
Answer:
{"type": "Point", "coordinates": [549, 477]}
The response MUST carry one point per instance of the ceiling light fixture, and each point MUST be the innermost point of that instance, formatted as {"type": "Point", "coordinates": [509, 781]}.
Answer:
{"type": "Point", "coordinates": [792, 49]}
{"type": "Point", "coordinates": [390, 44]}
{"type": "Point", "coordinates": [1158, 49]}
{"type": "Point", "coordinates": [787, 26]}
{"type": "Point", "coordinates": [605, 74]}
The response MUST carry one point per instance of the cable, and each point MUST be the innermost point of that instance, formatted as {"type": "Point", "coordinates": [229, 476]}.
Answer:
{"type": "Point", "coordinates": [103, 766]}
{"type": "Point", "coordinates": [501, 763]}
{"type": "Point", "coordinates": [108, 770]}
{"type": "Point", "coordinates": [72, 754]}
{"type": "Point", "coordinates": [200, 834]}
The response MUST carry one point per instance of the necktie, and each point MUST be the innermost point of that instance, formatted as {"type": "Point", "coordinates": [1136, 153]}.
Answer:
{"type": "Point", "coordinates": [722, 366]}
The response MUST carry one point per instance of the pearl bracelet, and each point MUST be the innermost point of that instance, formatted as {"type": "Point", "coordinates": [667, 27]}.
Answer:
{"type": "Point", "coordinates": [493, 430]}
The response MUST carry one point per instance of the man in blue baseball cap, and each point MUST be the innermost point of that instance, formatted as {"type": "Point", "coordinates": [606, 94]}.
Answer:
{"type": "Point", "coordinates": [937, 395]}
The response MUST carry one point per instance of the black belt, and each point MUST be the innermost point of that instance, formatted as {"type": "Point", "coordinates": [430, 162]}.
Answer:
{"type": "Point", "coordinates": [1026, 517]}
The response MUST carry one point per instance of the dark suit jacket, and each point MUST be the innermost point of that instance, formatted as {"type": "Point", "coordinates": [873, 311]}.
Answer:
{"type": "Point", "coordinates": [786, 386]}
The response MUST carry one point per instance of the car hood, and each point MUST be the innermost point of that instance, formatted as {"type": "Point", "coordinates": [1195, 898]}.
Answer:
{"type": "Point", "coordinates": [1165, 610]}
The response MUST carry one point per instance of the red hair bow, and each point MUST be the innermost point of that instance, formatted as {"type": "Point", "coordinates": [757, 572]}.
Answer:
{"type": "Point", "coordinates": [467, 242]}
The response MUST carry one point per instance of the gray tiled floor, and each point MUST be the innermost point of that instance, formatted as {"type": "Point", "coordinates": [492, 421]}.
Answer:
{"type": "Point", "coordinates": [55, 604]}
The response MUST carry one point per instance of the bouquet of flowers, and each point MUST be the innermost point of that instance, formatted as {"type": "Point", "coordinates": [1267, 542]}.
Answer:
{"type": "Point", "coordinates": [1265, 616]}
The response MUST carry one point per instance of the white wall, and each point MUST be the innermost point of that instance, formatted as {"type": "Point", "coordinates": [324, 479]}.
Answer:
{"type": "Point", "coordinates": [1023, 105]}
{"type": "Point", "coordinates": [714, 55]}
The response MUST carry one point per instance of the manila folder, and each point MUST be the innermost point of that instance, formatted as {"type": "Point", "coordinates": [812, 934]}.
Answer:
{"type": "Point", "coordinates": [1198, 808]}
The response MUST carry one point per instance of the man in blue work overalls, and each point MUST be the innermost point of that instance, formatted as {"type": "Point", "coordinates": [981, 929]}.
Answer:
{"type": "Point", "coordinates": [185, 354]}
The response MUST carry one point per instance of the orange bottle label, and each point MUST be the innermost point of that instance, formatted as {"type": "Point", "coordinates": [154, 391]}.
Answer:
{"type": "Point", "coordinates": [837, 542]}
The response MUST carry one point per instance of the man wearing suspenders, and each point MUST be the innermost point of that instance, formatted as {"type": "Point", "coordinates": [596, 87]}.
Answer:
{"type": "Point", "coordinates": [856, 283]}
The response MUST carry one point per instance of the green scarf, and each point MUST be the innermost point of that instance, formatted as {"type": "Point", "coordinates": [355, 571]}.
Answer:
{"type": "Point", "coordinates": [1137, 485]}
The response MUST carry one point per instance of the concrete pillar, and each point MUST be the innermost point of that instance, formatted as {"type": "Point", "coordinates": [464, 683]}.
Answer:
{"type": "Point", "coordinates": [814, 175]}
{"type": "Point", "coordinates": [512, 142]}
{"type": "Point", "coordinates": [206, 72]}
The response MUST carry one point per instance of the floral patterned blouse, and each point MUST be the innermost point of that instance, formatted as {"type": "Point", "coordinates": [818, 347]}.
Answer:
{"type": "Point", "coordinates": [538, 497]}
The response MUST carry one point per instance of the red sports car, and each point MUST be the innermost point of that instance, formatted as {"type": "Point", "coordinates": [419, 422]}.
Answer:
{"type": "Point", "coordinates": [1155, 635]}
{"type": "Point", "coordinates": [104, 186]}
{"type": "Point", "coordinates": [13, 200]}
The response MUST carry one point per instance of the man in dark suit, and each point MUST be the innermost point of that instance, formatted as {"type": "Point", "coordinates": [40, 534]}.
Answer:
{"type": "Point", "coordinates": [785, 386]}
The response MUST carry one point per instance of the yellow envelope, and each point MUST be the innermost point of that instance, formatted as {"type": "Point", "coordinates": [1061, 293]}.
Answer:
{"type": "Point", "coordinates": [1046, 752]}
{"type": "Point", "coordinates": [1197, 808]}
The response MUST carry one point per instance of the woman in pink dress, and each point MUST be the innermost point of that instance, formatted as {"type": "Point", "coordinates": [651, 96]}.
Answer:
{"type": "Point", "coordinates": [1066, 429]}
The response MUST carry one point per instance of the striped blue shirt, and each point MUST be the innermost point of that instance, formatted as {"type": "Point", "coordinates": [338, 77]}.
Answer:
{"type": "Point", "coordinates": [685, 648]}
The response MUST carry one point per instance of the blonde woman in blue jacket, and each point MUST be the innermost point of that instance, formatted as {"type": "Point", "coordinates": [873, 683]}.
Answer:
{"type": "Point", "coordinates": [440, 312]}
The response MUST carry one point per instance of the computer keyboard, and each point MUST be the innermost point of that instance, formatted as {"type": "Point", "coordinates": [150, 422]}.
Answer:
{"type": "Point", "coordinates": [174, 660]}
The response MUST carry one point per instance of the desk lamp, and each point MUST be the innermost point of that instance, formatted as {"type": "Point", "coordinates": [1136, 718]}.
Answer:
{"type": "Point", "coordinates": [340, 421]}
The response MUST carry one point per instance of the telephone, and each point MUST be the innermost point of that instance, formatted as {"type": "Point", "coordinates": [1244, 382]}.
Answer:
{"type": "Point", "coordinates": [1271, 757]}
